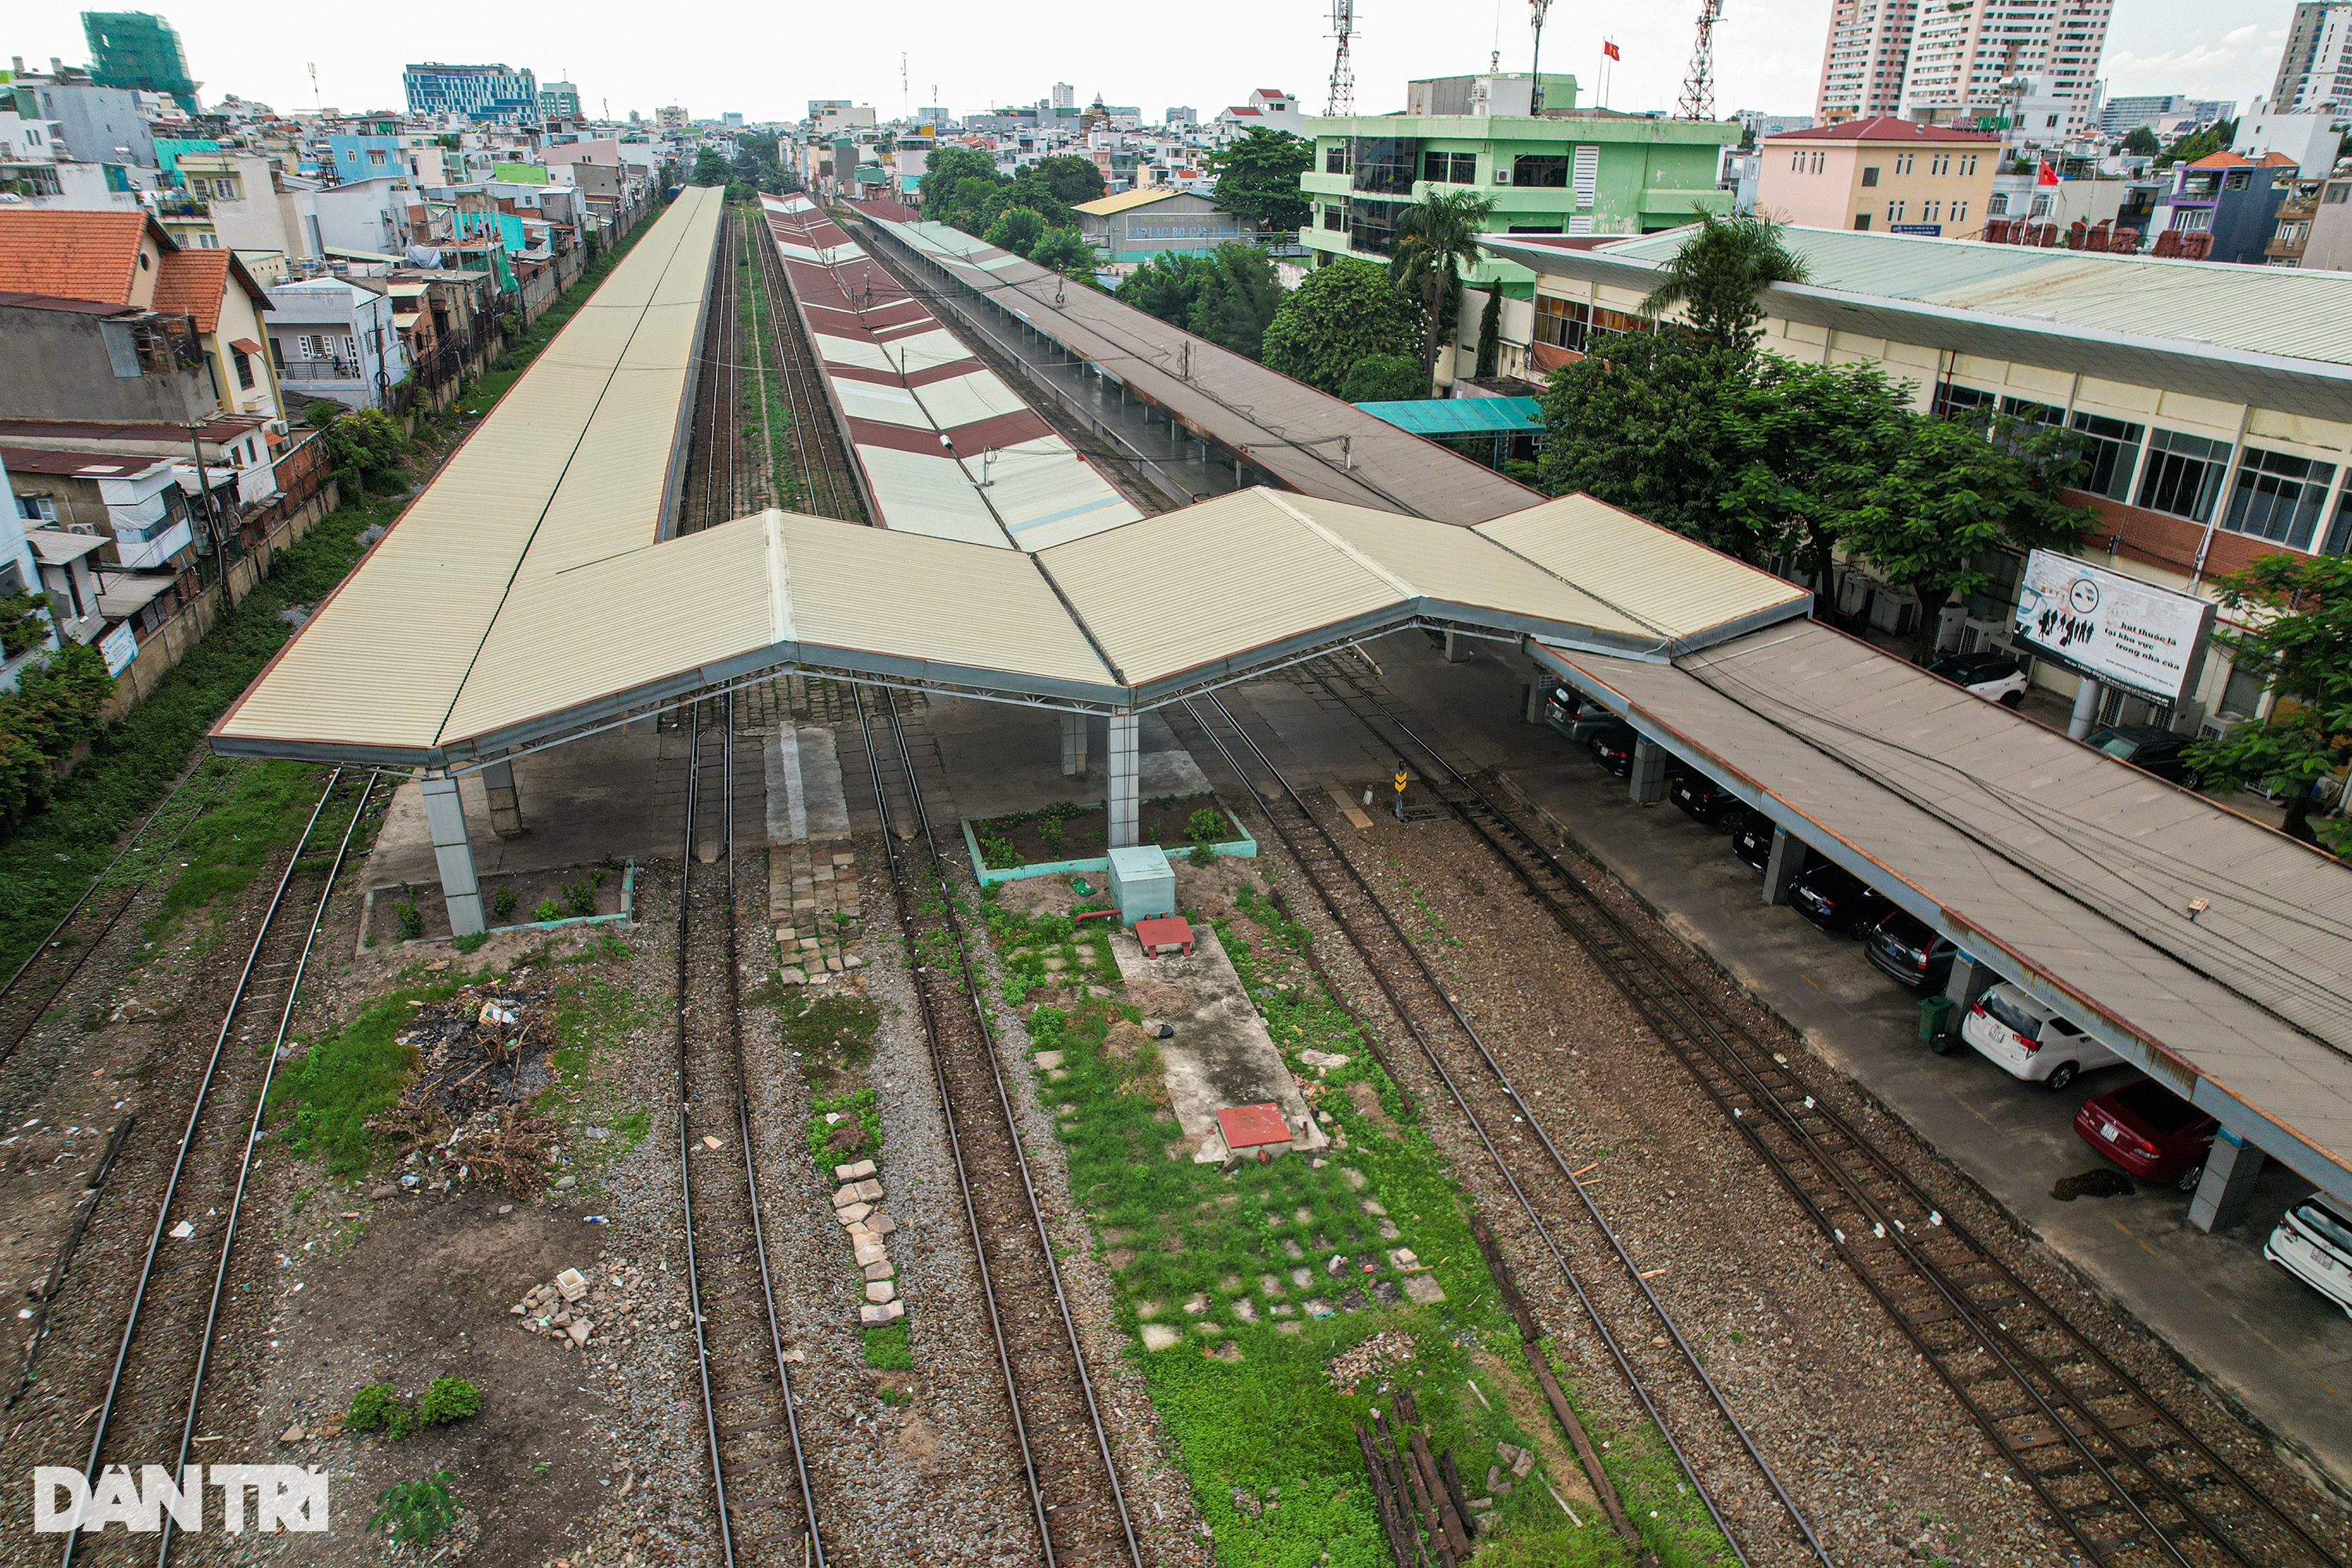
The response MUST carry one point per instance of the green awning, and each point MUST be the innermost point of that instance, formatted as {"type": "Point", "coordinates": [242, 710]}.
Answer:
{"type": "Point", "coordinates": [1441, 416]}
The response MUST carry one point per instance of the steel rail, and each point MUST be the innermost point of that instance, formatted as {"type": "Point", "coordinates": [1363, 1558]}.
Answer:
{"type": "Point", "coordinates": [245, 1161]}
{"type": "Point", "coordinates": [179, 1160]}
{"type": "Point", "coordinates": [815, 438]}
{"type": "Point", "coordinates": [1521, 1109]}
{"type": "Point", "coordinates": [902, 886]}
{"type": "Point", "coordinates": [1722, 1043]}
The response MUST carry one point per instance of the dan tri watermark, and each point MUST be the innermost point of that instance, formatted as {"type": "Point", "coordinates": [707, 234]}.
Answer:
{"type": "Point", "coordinates": [284, 1498]}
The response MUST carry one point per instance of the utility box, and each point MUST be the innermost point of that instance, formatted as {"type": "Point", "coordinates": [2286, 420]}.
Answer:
{"type": "Point", "coordinates": [1142, 883]}
{"type": "Point", "coordinates": [1934, 1016]}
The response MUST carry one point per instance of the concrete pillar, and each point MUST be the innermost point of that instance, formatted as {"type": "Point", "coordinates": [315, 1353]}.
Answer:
{"type": "Point", "coordinates": [2231, 1172]}
{"type": "Point", "coordinates": [1537, 691]}
{"type": "Point", "coordinates": [1970, 978]}
{"type": "Point", "coordinates": [1126, 781]}
{"type": "Point", "coordinates": [2087, 708]}
{"type": "Point", "coordinates": [506, 805]}
{"type": "Point", "coordinates": [1780, 870]}
{"type": "Point", "coordinates": [445, 818]}
{"type": "Point", "coordinates": [1074, 745]}
{"type": "Point", "coordinates": [1458, 649]}
{"type": "Point", "coordinates": [1647, 782]}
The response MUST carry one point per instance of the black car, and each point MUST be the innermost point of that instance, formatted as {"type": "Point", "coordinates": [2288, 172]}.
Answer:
{"type": "Point", "coordinates": [1838, 902]}
{"type": "Point", "coordinates": [2146, 746]}
{"type": "Point", "coordinates": [1702, 797]}
{"type": "Point", "coordinates": [1912, 954]}
{"type": "Point", "coordinates": [1752, 836]}
{"type": "Point", "coordinates": [1611, 746]}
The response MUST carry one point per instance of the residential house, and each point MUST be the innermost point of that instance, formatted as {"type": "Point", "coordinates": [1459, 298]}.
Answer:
{"type": "Point", "coordinates": [137, 503]}
{"type": "Point", "coordinates": [2223, 208]}
{"type": "Point", "coordinates": [364, 217]}
{"type": "Point", "coordinates": [2311, 140]}
{"type": "Point", "coordinates": [1269, 108]}
{"type": "Point", "coordinates": [96, 125]}
{"type": "Point", "coordinates": [26, 630]}
{"type": "Point", "coordinates": [78, 360]}
{"type": "Point", "coordinates": [2330, 244]}
{"type": "Point", "coordinates": [1134, 226]}
{"type": "Point", "coordinates": [69, 578]}
{"type": "Point", "coordinates": [1878, 173]}
{"type": "Point", "coordinates": [336, 337]}
{"type": "Point", "coordinates": [245, 202]}
{"type": "Point", "coordinates": [2217, 426]}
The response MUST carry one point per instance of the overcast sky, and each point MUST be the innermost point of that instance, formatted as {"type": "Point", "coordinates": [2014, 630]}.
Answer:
{"type": "Point", "coordinates": [768, 60]}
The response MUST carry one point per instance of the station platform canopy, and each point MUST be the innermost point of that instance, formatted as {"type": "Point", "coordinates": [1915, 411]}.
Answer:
{"type": "Point", "coordinates": [2207, 950]}
{"type": "Point", "coordinates": [1438, 418]}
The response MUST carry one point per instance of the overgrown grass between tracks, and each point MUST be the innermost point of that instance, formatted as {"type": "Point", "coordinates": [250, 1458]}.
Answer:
{"type": "Point", "coordinates": [1254, 1392]}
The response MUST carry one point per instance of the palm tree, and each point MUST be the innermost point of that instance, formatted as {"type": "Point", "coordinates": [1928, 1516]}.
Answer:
{"type": "Point", "coordinates": [1717, 274]}
{"type": "Point", "coordinates": [1436, 237]}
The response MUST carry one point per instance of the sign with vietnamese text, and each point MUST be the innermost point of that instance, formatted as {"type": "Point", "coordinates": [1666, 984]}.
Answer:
{"type": "Point", "coordinates": [1930, 229]}
{"type": "Point", "coordinates": [2113, 628]}
{"type": "Point", "coordinates": [120, 648]}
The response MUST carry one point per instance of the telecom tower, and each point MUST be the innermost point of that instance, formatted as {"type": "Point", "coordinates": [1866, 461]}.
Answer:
{"type": "Point", "coordinates": [1343, 69]}
{"type": "Point", "coordinates": [1698, 87]}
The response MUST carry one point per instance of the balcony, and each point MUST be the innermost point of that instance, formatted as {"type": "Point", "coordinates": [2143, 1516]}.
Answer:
{"type": "Point", "coordinates": [337, 370]}
{"type": "Point", "coordinates": [138, 554]}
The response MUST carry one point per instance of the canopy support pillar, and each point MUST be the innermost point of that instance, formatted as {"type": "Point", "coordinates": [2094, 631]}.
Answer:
{"type": "Point", "coordinates": [506, 805]}
{"type": "Point", "coordinates": [445, 818]}
{"type": "Point", "coordinates": [2230, 1170]}
{"type": "Point", "coordinates": [1647, 782]}
{"type": "Point", "coordinates": [1125, 780]}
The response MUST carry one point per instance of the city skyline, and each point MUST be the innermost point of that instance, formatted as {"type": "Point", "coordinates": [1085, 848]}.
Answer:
{"type": "Point", "coordinates": [1768, 58]}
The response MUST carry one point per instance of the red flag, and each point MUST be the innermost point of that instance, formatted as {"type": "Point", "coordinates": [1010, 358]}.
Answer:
{"type": "Point", "coordinates": [2049, 176]}
{"type": "Point", "coordinates": [1610, 50]}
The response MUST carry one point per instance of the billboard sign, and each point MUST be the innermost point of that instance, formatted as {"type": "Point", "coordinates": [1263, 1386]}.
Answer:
{"type": "Point", "coordinates": [2115, 629]}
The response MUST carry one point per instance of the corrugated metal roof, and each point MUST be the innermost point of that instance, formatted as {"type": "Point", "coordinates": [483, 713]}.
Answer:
{"type": "Point", "coordinates": [1678, 589]}
{"type": "Point", "coordinates": [2064, 863]}
{"type": "Point", "coordinates": [1456, 566]}
{"type": "Point", "coordinates": [1443, 417]}
{"type": "Point", "coordinates": [1307, 440]}
{"type": "Point", "coordinates": [1105, 206]}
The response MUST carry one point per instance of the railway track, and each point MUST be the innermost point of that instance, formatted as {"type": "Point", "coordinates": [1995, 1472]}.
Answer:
{"type": "Point", "coordinates": [751, 1423]}
{"type": "Point", "coordinates": [820, 461]}
{"type": "Point", "coordinates": [2124, 1477]}
{"type": "Point", "coordinates": [716, 478]}
{"type": "Point", "coordinates": [155, 1393]}
{"type": "Point", "coordinates": [50, 968]}
{"type": "Point", "coordinates": [1624, 1311]}
{"type": "Point", "coordinates": [1077, 1504]}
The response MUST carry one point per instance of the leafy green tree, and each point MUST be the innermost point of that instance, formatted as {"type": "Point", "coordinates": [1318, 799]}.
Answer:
{"type": "Point", "coordinates": [1652, 427]}
{"type": "Point", "coordinates": [1955, 494]}
{"type": "Point", "coordinates": [1071, 178]}
{"type": "Point", "coordinates": [1166, 286]}
{"type": "Point", "coordinates": [1718, 272]}
{"type": "Point", "coordinates": [2198, 144]}
{"type": "Point", "coordinates": [1018, 231]}
{"type": "Point", "coordinates": [1436, 239]}
{"type": "Point", "coordinates": [1257, 178]}
{"type": "Point", "coordinates": [54, 707]}
{"type": "Point", "coordinates": [364, 442]}
{"type": "Point", "coordinates": [2293, 629]}
{"type": "Point", "coordinates": [1235, 300]}
{"type": "Point", "coordinates": [2141, 141]}
{"type": "Point", "coordinates": [1066, 251]}
{"type": "Point", "coordinates": [1490, 333]}
{"type": "Point", "coordinates": [945, 171]}
{"type": "Point", "coordinates": [1384, 378]}
{"type": "Point", "coordinates": [709, 168]}
{"type": "Point", "coordinates": [1346, 309]}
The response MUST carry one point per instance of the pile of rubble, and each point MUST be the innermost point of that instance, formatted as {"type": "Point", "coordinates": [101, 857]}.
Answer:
{"type": "Point", "coordinates": [482, 1054]}
{"type": "Point", "coordinates": [1365, 1359]}
{"type": "Point", "coordinates": [857, 1204]}
{"type": "Point", "coordinates": [561, 1308]}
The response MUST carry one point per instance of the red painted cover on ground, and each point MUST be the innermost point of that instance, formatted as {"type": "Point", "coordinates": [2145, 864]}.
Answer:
{"type": "Point", "coordinates": [1251, 1126]}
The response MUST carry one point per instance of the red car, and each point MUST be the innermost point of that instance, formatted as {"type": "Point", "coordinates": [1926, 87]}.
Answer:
{"type": "Point", "coordinates": [2149, 1131]}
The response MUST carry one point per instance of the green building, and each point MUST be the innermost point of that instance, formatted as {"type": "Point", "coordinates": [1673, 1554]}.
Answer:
{"type": "Point", "coordinates": [132, 49]}
{"type": "Point", "coordinates": [1565, 171]}
{"type": "Point", "coordinates": [559, 101]}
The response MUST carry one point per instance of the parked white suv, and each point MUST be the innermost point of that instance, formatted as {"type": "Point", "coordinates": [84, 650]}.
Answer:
{"type": "Point", "coordinates": [2314, 1243]}
{"type": "Point", "coordinates": [1994, 676]}
{"type": "Point", "coordinates": [2026, 1040]}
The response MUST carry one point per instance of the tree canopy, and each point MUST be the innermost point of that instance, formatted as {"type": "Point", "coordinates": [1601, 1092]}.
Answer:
{"type": "Point", "coordinates": [1346, 309]}
{"type": "Point", "coordinates": [1066, 251]}
{"type": "Point", "coordinates": [1717, 274]}
{"type": "Point", "coordinates": [2141, 141]}
{"type": "Point", "coordinates": [2198, 144]}
{"type": "Point", "coordinates": [1383, 378]}
{"type": "Point", "coordinates": [1072, 179]}
{"type": "Point", "coordinates": [2291, 627]}
{"type": "Point", "coordinates": [1017, 229]}
{"type": "Point", "coordinates": [1257, 177]}
{"type": "Point", "coordinates": [1228, 296]}
{"type": "Point", "coordinates": [709, 168]}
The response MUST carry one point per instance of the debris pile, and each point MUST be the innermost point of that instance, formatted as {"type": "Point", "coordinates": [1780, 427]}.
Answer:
{"type": "Point", "coordinates": [1386, 1349]}
{"type": "Point", "coordinates": [561, 1307]}
{"type": "Point", "coordinates": [481, 1056]}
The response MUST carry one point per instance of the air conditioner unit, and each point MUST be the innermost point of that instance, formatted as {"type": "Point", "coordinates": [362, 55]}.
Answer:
{"type": "Point", "coordinates": [1502, 177]}
{"type": "Point", "coordinates": [277, 427]}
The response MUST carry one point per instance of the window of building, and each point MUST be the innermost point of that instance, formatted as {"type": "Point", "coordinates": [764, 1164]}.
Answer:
{"type": "Point", "coordinates": [1384, 164]}
{"type": "Point", "coordinates": [244, 368]}
{"type": "Point", "coordinates": [2193, 220]}
{"type": "Point", "coordinates": [1335, 158]}
{"type": "Point", "coordinates": [1928, 211]}
{"type": "Point", "coordinates": [2183, 475]}
{"type": "Point", "coordinates": [2236, 180]}
{"type": "Point", "coordinates": [1999, 205]}
{"type": "Point", "coordinates": [1536, 228]}
{"type": "Point", "coordinates": [2112, 448]}
{"type": "Point", "coordinates": [1903, 162]}
{"type": "Point", "coordinates": [1959, 212]}
{"type": "Point", "coordinates": [1861, 220]}
{"type": "Point", "coordinates": [1952, 398]}
{"type": "Point", "coordinates": [1940, 164]}
{"type": "Point", "coordinates": [1968, 165]}
{"type": "Point", "coordinates": [1545, 170]}
{"type": "Point", "coordinates": [1618, 321]}
{"type": "Point", "coordinates": [2241, 694]}
{"type": "Point", "coordinates": [1371, 227]}
{"type": "Point", "coordinates": [2033, 413]}
{"type": "Point", "coordinates": [12, 579]}
{"type": "Point", "coordinates": [1334, 219]}
{"type": "Point", "coordinates": [2338, 194]}
{"type": "Point", "coordinates": [37, 508]}
{"type": "Point", "coordinates": [1450, 168]}
{"type": "Point", "coordinates": [1870, 175]}
{"type": "Point", "coordinates": [2278, 498]}
{"type": "Point", "coordinates": [1562, 323]}
{"type": "Point", "coordinates": [1895, 212]}
{"type": "Point", "coordinates": [2339, 532]}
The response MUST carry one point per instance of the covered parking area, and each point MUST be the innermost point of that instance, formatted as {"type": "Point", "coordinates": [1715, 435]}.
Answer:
{"type": "Point", "coordinates": [2203, 948]}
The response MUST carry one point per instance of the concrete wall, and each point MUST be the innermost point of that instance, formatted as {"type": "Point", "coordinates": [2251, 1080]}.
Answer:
{"type": "Point", "coordinates": [58, 368]}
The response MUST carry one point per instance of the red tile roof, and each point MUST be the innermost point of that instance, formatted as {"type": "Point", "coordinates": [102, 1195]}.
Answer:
{"type": "Point", "coordinates": [2233, 161]}
{"type": "Point", "coordinates": [1884, 128]}
{"type": "Point", "coordinates": [189, 283]}
{"type": "Point", "coordinates": [73, 254]}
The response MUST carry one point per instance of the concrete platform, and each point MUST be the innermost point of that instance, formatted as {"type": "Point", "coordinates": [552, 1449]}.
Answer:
{"type": "Point", "coordinates": [2277, 1349]}
{"type": "Point", "coordinates": [1221, 1055]}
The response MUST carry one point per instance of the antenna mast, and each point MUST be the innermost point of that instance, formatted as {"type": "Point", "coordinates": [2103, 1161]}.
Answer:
{"type": "Point", "coordinates": [1698, 86]}
{"type": "Point", "coordinates": [1342, 100]}
{"type": "Point", "coordinates": [1535, 66]}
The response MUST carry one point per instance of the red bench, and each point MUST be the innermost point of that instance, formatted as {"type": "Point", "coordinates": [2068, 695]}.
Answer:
{"type": "Point", "coordinates": [1164, 931]}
